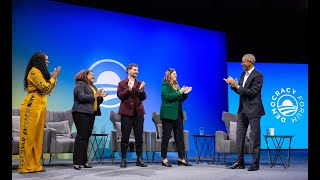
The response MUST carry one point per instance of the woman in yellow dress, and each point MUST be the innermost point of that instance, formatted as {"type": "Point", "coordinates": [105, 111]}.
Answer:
{"type": "Point", "coordinates": [38, 83]}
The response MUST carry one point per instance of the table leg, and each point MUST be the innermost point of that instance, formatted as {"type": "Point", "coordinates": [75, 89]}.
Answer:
{"type": "Point", "coordinates": [289, 152]}
{"type": "Point", "coordinates": [197, 150]}
{"type": "Point", "coordinates": [208, 147]}
{"type": "Point", "coordinates": [213, 151]}
{"type": "Point", "coordinates": [269, 157]}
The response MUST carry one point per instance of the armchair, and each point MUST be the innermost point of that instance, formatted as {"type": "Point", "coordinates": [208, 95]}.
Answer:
{"type": "Point", "coordinates": [156, 136]}
{"type": "Point", "coordinates": [60, 125]}
{"type": "Point", "coordinates": [115, 137]}
{"type": "Point", "coordinates": [16, 134]}
{"type": "Point", "coordinates": [226, 141]}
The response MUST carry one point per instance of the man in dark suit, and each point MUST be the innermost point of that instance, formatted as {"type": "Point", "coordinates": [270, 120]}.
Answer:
{"type": "Point", "coordinates": [250, 111]}
{"type": "Point", "coordinates": [131, 93]}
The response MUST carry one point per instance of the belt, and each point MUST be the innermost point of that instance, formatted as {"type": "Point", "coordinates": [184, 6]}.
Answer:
{"type": "Point", "coordinates": [39, 92]}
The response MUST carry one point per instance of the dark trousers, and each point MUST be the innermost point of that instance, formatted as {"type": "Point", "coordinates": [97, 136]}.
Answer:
{"type": "Point", "coordinates": [254, 139]}
{"type": "Point", "coordinates": [127, 123]}
{"type": "Point", "coordinates": [177, 127]}
{"type": "Point", "coordinates": [84, 124]}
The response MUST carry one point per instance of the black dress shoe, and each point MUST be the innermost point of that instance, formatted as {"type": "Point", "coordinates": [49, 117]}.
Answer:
{"type": "Point", "coordinates": [77, 167]}
{"type": "Point", "coordinates": [180, 163]}
{"type": "Point", "coordinates": [123, 163]}
{"type": "Point", "coordinates": [141, 163]}
{"type": "Point", "coordinates": [87, 165]}
{"type": "Point", "coordinates": [236, 166]}
{"type": "Point", "coordinates": [166, 164]}
{"type": "Point", "coordinates": [253, 168]}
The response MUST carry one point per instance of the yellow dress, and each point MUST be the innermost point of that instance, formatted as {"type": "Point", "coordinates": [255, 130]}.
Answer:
{"type": "Point", "coordinates": [32, 120]}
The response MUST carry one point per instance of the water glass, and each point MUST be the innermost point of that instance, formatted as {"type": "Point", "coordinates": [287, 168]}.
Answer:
{"type": "Point", "coordinates": [201, 130]}
{"type": "Point", "coordinates": [103, 130]}
{"type": "Point", "coordinates": [94, 130]}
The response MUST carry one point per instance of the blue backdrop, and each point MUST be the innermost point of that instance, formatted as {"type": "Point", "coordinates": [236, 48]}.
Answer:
{"type": "Point", "coordinates": [76, 38]}
{"type": "Point", "coordinates": [285, 99]}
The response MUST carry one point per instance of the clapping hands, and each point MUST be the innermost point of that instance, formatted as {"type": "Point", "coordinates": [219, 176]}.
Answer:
{"type": "Point", "coordinates": [230, 80]}
{"type": "Point", "coordinates": [186, 89]}
{"type": "Point", "coordinates": [56, 72]}
{"type": "Point", "coordinates": [130, 85]}
{"type": "Point", "coordinates": [141, 88]}
{"type": "Point", "coordinates": [101, 93]}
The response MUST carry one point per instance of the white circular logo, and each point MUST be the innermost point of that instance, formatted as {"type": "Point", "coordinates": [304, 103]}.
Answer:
{"type": "Point", "coordinates": [108, 73]}
{"type": "Point", "coordinates": [287, 105]}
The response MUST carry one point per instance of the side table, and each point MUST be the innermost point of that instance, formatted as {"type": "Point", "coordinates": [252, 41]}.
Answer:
{"type": "Point", "coordinates": [203, 144]}
{"type": "Point", "coordinates": [95, 144]}
{"type": "Point", "coordinates": [278, 142]}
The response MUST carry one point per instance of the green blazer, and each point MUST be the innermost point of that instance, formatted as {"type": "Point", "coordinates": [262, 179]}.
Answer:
{"type": "Point", "coordinates": [170, 101]}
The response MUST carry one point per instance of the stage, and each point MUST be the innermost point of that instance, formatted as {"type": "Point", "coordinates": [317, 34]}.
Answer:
{"type": "Point", "coordinates": [63, 169]}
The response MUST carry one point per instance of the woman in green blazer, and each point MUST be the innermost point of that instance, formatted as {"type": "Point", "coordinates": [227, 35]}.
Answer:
{"type": "Point", "coordinates": [171, 115]}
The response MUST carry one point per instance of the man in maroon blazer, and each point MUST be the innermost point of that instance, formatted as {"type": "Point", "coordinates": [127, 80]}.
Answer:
{"type": "Point", "coordinates": [131, 93]}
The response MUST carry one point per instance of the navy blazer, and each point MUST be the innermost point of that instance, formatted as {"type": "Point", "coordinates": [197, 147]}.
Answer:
{"type": "Point", "coordinates": [130, 99]}
{"type": "Point", "coordinates": [250, 95]}
{"type": "Point", "coordinates": [83, 99]}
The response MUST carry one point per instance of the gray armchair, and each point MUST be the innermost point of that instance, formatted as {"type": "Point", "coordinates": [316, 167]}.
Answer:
{"type": "Point", "coordinates": [60, 125]}
{"type": "Point", "coordinates": [156, 136]}
{"type": "Point", "coordinates": [115, 137]}
{"type": "Point", "coordinates": [16, 134]}
{"type": "Point", "coordinates": [226, 141]}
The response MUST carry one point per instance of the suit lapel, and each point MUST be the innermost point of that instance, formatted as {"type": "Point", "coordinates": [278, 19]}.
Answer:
{"type": "Point", "coordinates": [242, 78]}
{"type": "Point", "coordinates": [251, 75]}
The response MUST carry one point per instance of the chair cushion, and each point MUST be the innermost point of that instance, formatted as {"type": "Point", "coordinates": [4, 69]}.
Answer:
{"type": "Point", "coordinates": [117, 126]}
{"type": "Point", "coordinates": [15, 126]}
{"type": "Point", "coordinates": [16, 122]}
{"type": "Point", "coordinates": [233, 130]}
{"type": "Point", "coordinates": [62, 127]}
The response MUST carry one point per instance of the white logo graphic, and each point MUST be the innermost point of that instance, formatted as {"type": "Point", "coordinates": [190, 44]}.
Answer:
{"type": "Point", "coordinates": [286, 105]}
{"type": "Point", "coordinates": [108, 73]}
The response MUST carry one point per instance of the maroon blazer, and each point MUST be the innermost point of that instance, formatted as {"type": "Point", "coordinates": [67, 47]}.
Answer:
{"type": "Point", "coordinates": [129, 99]}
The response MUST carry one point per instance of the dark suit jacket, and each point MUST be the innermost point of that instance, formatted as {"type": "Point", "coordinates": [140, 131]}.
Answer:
{"type": "Point", "coordinates": [250, 95]}
{"type": "Point", "coordinates": [130, 99]}
{"type": "Point", "coordinates": [83, 98]}
{"type": "Point", "coordinates": [170, 101]}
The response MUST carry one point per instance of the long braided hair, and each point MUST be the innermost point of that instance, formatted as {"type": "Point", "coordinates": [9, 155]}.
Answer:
{"type": "Point", "coordinates": [37, 60]}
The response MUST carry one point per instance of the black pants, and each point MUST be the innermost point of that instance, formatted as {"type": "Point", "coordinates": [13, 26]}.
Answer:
{"type": "Point", "coordinates": [254, 139]}
{"type": "Point", "coordinates": [84, 124]}
{"type": "Point", "coordinates": [127, 123]}
{"type": "Point", "coordinates": [177, 127]}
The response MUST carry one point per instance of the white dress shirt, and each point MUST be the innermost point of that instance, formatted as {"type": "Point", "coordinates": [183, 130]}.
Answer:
{"type": "Point", "coordinates": [246, 76]}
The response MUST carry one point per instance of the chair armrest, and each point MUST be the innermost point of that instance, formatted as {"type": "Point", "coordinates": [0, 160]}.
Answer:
{"type": "Point", "coordinates": [147, 139]}
{"type": "Point", "coordinates": [153, 141]}
{"type": "Point", "coordinates": [113, 140]}
{"type": "Point", "coordinates": [220, 135]}
{"type": "Point", "coordinates": [15, 133]}
{"type": "Point", "coordinates": [46, 140]}
{"type": "Point", "coordinates": [186, 140]}
{"type": "Point", "coordinates": [73, 135]}
{"type": "Point", "coordinates": [53, 139]}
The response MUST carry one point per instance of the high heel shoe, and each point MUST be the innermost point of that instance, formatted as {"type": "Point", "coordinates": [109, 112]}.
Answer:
{"type": "Point", "coordinates": [87, 165]}
{"type": "Point", "coordinates": [77, 167]}
{"type": "Point", "coordinates": [180, 163]}
{"type": "Point", "coordinates": [166, 164]}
